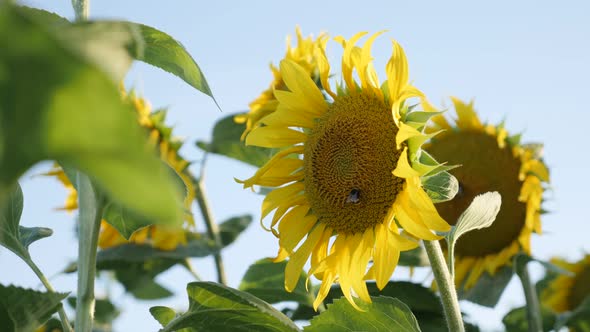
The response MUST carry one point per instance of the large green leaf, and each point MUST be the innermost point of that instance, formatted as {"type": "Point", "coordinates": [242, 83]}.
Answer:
{"type": "Point", "coordinates": [143, 43]}
{"type": "Point", "coordinates": [25, 309]}
{"type": "Point", "coordinates": [163, 51]}
{"type": "Point", "coordinates": [266, 280]}
{"type": "Point", "coordinates": [13, 236]}
{"type": "Point", "coordinates": [226, 141]}
{"type": "Point", "coordinates": [214, 307]}
{"type": "Point", "coordinates": [415, 296]}
{"type": "Point", "coordinates": [55, 104]}
{"type": "Point", "coordinates": [383, 314]}
{"type": "Point", "coordinates": [123, 219]}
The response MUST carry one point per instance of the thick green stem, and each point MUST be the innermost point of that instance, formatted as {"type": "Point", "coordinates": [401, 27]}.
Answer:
{"type": "Point", "coordinates": [445, 284]}
{"type": "Point", "coordinates": [82, 9]}
{"type": "Point", "coordinates": [62, 314]}
{"type": "Point", "coordinates": [90, 215]}
{"type": "Point", "coordinates": [212, 228]}
{"type": "Point", "coordinates": [532, 302]}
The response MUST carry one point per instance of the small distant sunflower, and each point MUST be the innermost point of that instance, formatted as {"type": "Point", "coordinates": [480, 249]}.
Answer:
{"type": "Point", "coordinates": [490, 161]}
{"type": "Point", "coordinates": [349, 167]}
{"type": "Point", "coordinates": [567, 292]}
{"type": "Point", "coordinates": [159, 136]}
{"type": "Point", "coordinates": [304, 55]}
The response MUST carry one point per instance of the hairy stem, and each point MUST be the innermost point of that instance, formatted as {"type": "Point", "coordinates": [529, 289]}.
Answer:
{"type": "Point", "coordinates": [90, 215]}
{"type": "Point", "coordinates": [62, 314]}
{"type": "Point", "coordinates": [212, 228]}
{"type": "Point", "coordinates": [445, 285]}
{"type": "Point", "coordinates": [532, 302]}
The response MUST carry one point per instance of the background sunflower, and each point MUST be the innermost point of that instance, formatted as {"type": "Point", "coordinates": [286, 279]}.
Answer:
{"type": "Point", "coordinates": [490, 160]}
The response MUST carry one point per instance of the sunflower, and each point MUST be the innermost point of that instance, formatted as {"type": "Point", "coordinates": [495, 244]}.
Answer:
{"type": "Point", "coordinates": [349, 167]}
{"type": "Point", "coordinates": [160, 137]}
{"type": "Point", "coordinates": [304, 55]}
{"type": "Point", "coordinates": [490, 161]}
{"type": "Point", "coordinates": [567, 292]}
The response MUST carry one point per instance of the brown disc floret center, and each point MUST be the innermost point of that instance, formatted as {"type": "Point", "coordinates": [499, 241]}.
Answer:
{"type": "Point", "coordinates": [349, 158]}
{"type": "Point", "coordinates": [484, 167]}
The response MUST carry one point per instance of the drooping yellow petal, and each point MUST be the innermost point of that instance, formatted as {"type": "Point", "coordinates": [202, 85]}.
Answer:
{"type": "Point", "coordinates": [277, 196]}
{"type": "Point", "coordinates": [385, 257]}
{"type": "Point", "coordinates": [294, 226]}
{"type": "Point", "coordinates": [298, 259]}
{"type": "Point", "coordinates": [269, 165]}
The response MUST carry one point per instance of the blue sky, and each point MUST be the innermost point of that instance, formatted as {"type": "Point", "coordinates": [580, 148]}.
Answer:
{"type": "Point", "coordinates": [526, 62]}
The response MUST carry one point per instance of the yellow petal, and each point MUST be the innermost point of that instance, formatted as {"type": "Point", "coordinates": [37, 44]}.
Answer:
{"type": "Point", "coordinates": [467, 118]}
{"type": "Point", "coordinates": [301, 84]}
{"type": "Point", "coordinates": [404, 133]}
{"type": "Point", "coordinates": [277, 196]}
{"type": "Point", "coordinates": [347, 65]}
{"type": "Point", "coordinates": [294, 226]}
{"type": "Point", "coordinates": [271, 137]}
{"type": "Point", "coordinates": [298, 259]}
{"type": "Point", "coordinates": [324, 69]}
{"type": "Point", "coordinates": [403, 168]}
{"type": "Point", "coordinates": [386, 255]}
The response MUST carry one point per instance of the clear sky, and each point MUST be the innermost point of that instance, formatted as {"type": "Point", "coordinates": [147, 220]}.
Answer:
{"type": "Point", "coordinates": [524, 61]}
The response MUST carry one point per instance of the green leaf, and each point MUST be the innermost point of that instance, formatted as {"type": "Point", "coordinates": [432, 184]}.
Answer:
{"type": "Point", "coordinates": [132, 252]}
{"type": "Point", "coordinates": [14, 237]}
{"type": "Point", "coordinates": [124, 220]}
{"type": "Point", "coordinates": [383, 314]}
{"type": "Point", "coordinates": [266, 280]}
{"type": "Point", "coordinates": [488, 289]}
{"type": "Point", "coordinates": [578, 319]}
{"type": "Point", "coordinates": [107, 44]}
{"type": "Point", "coordinates": [516, 320]}
{"type": "Point", "coordinates": [226, 142]}
{"type": "Point", "coordinates": [163, 315]}
{"type": "Point", "coordinates": [481, 213]}
{"type": "Point", "coordinates": [25, 309]}
{"type": "Point", "coordinates": [29, 235]}
{"type": "Point", "coordinates": [147, 44]}
{"type": "Point", "coordinates": [230, 229]}
{"type": "Point", "coordinates": [441, 187]}
{"type": "Point", "coordinates": [163, 51]}
{"type": "Point", "coordinates": [11, 210]}
{"type": "Point", "coordinates": [415, 296]}
{"type": "Point", "coordinates": [54, 104]}
{"type": "Point", "coordinates": [414, 257]}
{"type": "Point", "coordinates": [214, 307]}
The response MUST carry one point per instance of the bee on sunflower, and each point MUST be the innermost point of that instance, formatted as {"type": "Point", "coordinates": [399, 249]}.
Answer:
{"type": "Point", "coordinates": [348, 171]}
{"type": "Point", "coordinates": [160, 137]}
{"type": "Point", "coordinates": [490, 160]}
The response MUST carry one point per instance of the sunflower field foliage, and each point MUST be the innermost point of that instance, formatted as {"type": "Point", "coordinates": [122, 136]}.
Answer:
{"type": "Point", "coordinates": [359, 173]}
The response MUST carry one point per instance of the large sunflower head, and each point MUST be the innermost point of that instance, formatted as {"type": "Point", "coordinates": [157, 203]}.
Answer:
{"type": "Point", "coordinates": [349, 166]}
{"type": "Point", "coordinates": [567, 292]}
{"type": "Point", "coordinates": [160, 137]}
{"type": "Point", "coordinates": [304, 55]}
{"type": "Point", "coordinates": [490, 161]}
